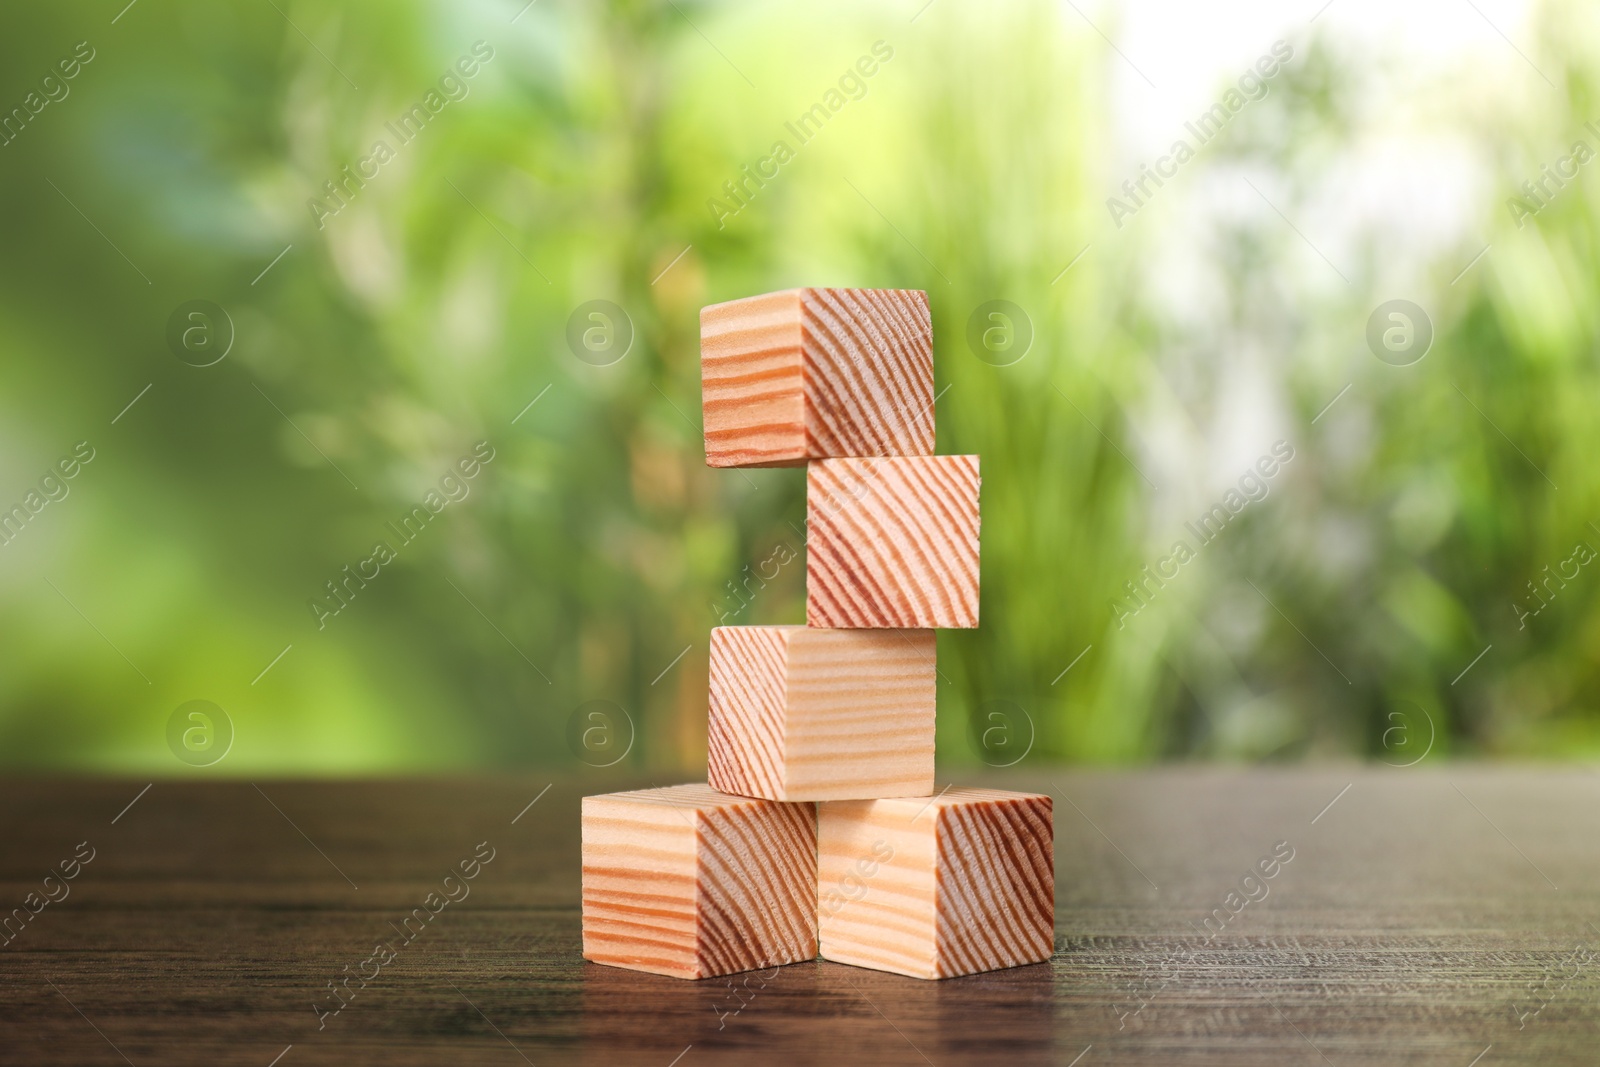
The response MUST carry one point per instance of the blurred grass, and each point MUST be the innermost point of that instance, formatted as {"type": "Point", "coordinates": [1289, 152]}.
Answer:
{"type": "Point", "coordinates": [426, 315]}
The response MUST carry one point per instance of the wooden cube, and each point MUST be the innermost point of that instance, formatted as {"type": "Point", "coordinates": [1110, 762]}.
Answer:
{"type": "Point", "coordinates": [689, 882]}
{"type": "Point", "coordinates": [933, 888]}
{"type": "Point", "coordinates": [799, 713]}
{"type": "Point", "coordinates": [892, 542]}
{"type": "Point", "coordinates": [807, 373]}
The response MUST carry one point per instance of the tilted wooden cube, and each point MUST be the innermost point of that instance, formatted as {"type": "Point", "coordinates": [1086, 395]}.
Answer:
{"type": "Point", "coordinates": [938, 887]}
{"type": "Point", "coordinates": [892, 542]}
{"type": "Point", "coordinates": [808, 373]}
{"type": "Point", "coordinates": [688, 882]}
{"type": "Point", "coordinates": [800, 713]}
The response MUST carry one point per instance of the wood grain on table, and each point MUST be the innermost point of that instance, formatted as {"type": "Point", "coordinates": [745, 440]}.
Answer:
{"type": "Point", "coordinates": [1207, 916]}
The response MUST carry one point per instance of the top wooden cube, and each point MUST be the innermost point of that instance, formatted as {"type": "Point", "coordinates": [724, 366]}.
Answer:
{"type": "Point", "coordinates": [817, 373]}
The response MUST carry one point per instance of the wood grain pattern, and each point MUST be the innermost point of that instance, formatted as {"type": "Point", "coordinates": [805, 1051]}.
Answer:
{"type": "Point", "coordinates": [868, 371]}
{"type": "Point", "coordinates": [752, 397]}
{"type": "Point", "coordinates": [810, 373]}
{"type": "Point", "coordinates": [1402, 933]}
{"type": "Point", "coordinates": [691, 883]}
{"type": "Point", "coordinates": [939, 887]}
{"type": "Point", "coordinates": [892, 542]}
{"type": "Point", "coordinates": [800, 713]}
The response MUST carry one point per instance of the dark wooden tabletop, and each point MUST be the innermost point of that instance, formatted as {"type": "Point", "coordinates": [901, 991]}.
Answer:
{"type": "Point", "coordinates": [1444, 917]}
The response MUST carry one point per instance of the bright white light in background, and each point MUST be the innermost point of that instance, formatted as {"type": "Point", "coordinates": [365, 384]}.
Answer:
{"type": "Point", "coordinates": [1408, 177]}
{"type": "Point", "coordinates": [1190, 51]}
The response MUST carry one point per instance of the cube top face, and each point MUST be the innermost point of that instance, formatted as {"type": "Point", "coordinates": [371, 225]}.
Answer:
{"type": "Point", "coordinates": [689, 882]}
{"type": "Point", "coordinates": [937, 887]}
{"type": "Point", "coordinates": [892, 542]}
{"type": "Point", "coordinates": [812, 373]}
{"type": "Point", "coordinates": [800, 713]}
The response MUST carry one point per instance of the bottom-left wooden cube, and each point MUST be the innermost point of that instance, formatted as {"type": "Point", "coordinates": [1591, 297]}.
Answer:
{"type": "Point", "coordinates": [692, 883]}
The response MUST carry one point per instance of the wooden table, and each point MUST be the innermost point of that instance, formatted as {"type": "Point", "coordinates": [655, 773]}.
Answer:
{"type": "Point", "coordinates": [1419, 906]}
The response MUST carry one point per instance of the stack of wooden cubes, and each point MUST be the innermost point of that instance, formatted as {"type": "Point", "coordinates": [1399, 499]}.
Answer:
{"type": "Point", "coordinates": [818, 831]}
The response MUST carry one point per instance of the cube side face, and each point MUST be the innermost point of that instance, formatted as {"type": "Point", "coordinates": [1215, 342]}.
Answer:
{"type": "Point", "coordinates": [751, 394]}
{"type": "Point", "coordinates": [757, 878]}
{"type": "Point", "coordinates": [996, 882]}
{"type": "Point", "coordinates": [867, 358]}
{"type": "Point", "coordinates": [876, 884]}
{"type": "Point", "coordinates": [859, 714]}
{"type": "Point", "coordinates": [639, 886]}
{"type": "Point", "coordinates": [892, 542]}
{"type": "Point", "coordinates": [745, 752]}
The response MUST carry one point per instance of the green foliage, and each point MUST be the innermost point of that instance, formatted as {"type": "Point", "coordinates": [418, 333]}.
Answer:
{"type": "Point", "coordinates": [587, 161]}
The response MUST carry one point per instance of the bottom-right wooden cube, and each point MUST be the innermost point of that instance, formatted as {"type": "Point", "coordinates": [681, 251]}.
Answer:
{"type": "Point", "coordinates": [935, 887]}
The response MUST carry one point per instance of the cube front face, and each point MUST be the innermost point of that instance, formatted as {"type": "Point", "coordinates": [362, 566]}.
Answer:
{"type": "Point", "coordinates": [868, 372]}
{"type": "Point", "coordinates": [751, 395]}
{"type": "Point", "coordinates": [810, 373]}
{"type": "Point", "coordinates": [757, 879]}
{"type": "Point", "coordinates": [799, 713]}
{"type": "Point", "coordinates": [876, 884]}
{"type": "Point", "coordinates": [639, 884]}
{"type": "Point", "coordinates": [936, 888]}
{"type": "Point", "coordinates": [690, 883]}
{"type": "Point", "coordinates": [892, 542]}
{"type": "Point", "coordinates": [996, 893]}
{"type": "Point", "coordinates": [744, 729]}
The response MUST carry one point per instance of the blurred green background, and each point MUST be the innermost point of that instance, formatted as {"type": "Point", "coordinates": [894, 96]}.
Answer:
{"type": "Point", "coordinates": [1367, 606]}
